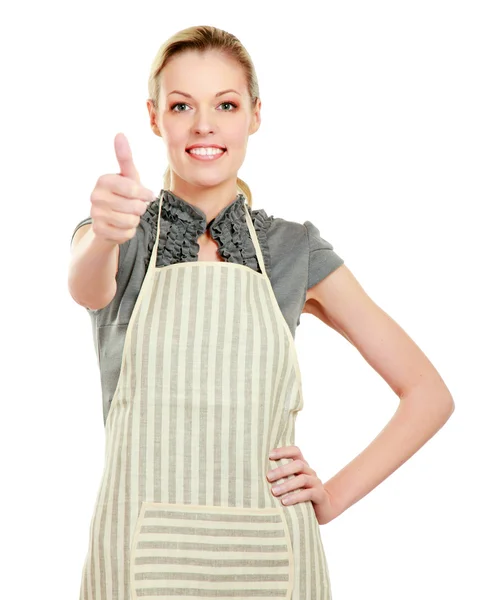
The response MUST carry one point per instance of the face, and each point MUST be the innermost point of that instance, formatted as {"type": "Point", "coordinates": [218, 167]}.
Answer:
{"type": "Point", "coordinates": [191, 112]}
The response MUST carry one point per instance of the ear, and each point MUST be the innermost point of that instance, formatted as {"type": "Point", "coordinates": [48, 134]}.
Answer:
{"type": "Point", "coordinates": [152, 117]}
{"type": "Point", "coordinates": [256, 117]}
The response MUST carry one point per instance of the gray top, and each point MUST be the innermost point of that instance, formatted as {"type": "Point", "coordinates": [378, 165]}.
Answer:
{"type": "Point", "coordinates": [296, 257]}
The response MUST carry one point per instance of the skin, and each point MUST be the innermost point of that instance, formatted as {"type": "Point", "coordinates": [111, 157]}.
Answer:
{"type": "Point", "coordinates": [204, 119]}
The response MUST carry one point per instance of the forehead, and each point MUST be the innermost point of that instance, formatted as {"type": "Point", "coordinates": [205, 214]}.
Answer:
{"type": "Point", "coordinates": [202, 73]}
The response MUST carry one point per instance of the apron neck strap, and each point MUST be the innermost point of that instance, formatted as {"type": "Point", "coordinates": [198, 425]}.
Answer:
{"type": "Point", "coordinates": [254, 238]}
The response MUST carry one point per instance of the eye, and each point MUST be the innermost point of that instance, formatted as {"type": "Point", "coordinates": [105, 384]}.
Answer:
{"type": "Point", "coordinates": [178, 104]}
{"type": "Point", "coordinates": [232, 104]}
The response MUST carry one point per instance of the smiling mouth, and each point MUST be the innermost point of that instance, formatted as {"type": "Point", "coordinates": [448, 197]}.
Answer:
{"type": "Point", "coordinates": [204, 155]}
{"type": "Point", "coordinates": [199, 148]}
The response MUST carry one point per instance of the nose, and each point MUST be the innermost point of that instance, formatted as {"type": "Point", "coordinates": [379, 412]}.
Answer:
{"type": "Point", "coordinates": [204, 122]}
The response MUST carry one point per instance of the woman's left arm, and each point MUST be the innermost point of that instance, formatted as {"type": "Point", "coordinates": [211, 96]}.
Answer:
{"type": "Point", "coordinates": [425, 401]}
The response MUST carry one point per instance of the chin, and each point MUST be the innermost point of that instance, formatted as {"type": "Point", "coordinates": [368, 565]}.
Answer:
{"type": "Point", "coordinates": [210, 184]}
{"type": "Point", "coordinates": [207, 180]}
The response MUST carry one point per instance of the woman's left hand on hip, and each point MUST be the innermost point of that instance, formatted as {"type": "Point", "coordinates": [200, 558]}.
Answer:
{"type": "Point", "coordinates": [305, 480]}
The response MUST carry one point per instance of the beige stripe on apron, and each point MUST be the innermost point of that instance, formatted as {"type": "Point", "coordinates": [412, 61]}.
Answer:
{"type": "Point", "coordinates": [209, 384]}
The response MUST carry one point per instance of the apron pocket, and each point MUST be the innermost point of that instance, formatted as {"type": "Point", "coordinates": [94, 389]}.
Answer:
{"type": "Point", "coordinates": [191, 551]}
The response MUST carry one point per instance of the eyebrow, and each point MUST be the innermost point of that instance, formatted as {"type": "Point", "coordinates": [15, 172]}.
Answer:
{"type": "Point", "coordinates": [217, 95]}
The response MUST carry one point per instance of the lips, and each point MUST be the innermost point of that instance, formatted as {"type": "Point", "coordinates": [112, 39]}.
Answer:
{"type": "Point", "coordinates": [189, 149]}
{"type": "Point", "coordinates": [206, 157]}
{"type": "Point", "coordinates": [205, 146]}
{"type": "Point", "coordinates": [200, 146]}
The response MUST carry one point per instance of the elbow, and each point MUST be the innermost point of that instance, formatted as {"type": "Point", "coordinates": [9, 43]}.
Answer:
{"type": "Point", "coordinates": [434, 400]}
{"type": "Point", "coordinates": [91, 301]}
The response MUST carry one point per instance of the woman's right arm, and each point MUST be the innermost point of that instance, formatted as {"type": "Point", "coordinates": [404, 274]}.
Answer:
{"type": "Point", "coordinates": [93, 268]}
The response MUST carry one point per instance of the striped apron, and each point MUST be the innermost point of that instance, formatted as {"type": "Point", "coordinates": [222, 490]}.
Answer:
{"type": "Point", "coordinates": [209, 384]}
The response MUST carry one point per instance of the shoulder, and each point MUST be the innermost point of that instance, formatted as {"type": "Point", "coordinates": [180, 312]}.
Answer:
{"type": "Point", "coordinates": [291, 235]}
{"type": "Point", "coordinates": [293, 231]}
{"type": "Point", "coordinates": [297, 246]}
{"type": "Point", "coordinates": [278, 228]}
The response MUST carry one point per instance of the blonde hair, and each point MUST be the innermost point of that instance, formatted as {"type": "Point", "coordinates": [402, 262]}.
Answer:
{"type": "Point", "coordinates": [203, 38]}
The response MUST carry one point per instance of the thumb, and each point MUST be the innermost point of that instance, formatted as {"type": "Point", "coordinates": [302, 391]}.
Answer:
{"type": "Point", "coordinates": [125, 158]}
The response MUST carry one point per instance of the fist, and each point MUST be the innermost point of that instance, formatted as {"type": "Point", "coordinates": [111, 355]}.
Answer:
{"type": "Point", "coordinates": [118, 200]}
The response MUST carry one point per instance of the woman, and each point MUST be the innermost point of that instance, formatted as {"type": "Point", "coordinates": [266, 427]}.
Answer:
{"type": "Point", "coordinates": [194, 314]}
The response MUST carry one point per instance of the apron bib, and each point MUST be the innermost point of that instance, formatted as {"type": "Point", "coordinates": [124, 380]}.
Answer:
{"type": "Point", "coordinates": [209, 384]}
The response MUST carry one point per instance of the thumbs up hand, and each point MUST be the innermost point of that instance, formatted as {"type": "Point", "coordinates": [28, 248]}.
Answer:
{"type": "Point", "coordinates": [118, 200]}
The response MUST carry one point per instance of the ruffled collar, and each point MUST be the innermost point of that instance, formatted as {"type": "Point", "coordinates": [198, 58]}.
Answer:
{"type": "Point", "coordinates": [184, 210]}
{"type": "Point", "coordinates": [182, 223]}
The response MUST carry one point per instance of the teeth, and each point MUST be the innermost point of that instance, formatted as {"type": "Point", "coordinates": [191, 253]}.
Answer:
{"type": "Point", "coordinates": [206, 151]}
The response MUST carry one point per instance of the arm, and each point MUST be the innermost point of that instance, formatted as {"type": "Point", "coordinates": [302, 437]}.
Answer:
{"type": "Point", "coordinates": [425, 401]}
{"type": "Point", "coordinates": [93, 268]}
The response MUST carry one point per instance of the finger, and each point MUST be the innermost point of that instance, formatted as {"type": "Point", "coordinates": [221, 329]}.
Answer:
{"type": "Point", "coordinates": [300, 496]}
{"type": "Point", "coordinates": [127, 188]}
{"type": "Point", "coordinates": [284, 451]}
{"type": "Point", "coordinates": [287, 452]}
{"type": "Point", "coordinates": [126, 206]}
{"type": "Point", "coordinates": [299, 482]}
{"type": "Point", "coordinates": [122, 221]}
{"type": "Point", "coordinates": [124, 157]}
{"type": "Point", "coordinates": [296, 466]}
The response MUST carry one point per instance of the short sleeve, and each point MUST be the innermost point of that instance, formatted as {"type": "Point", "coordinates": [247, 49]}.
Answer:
{"type": "Point", "coordinates": [322, 257]}
{"type": "Point", "coordinates": [80, 224]}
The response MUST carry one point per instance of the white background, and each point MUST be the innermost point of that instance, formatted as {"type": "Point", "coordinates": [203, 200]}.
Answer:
{"type": "Point", "coordinates": [369, 130]}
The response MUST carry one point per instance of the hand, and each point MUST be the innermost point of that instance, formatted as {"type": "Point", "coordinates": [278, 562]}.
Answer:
{"type": "Point", "coordinates": [118, 201]}
{"type": "Point", "coordinates": [306, 478]}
